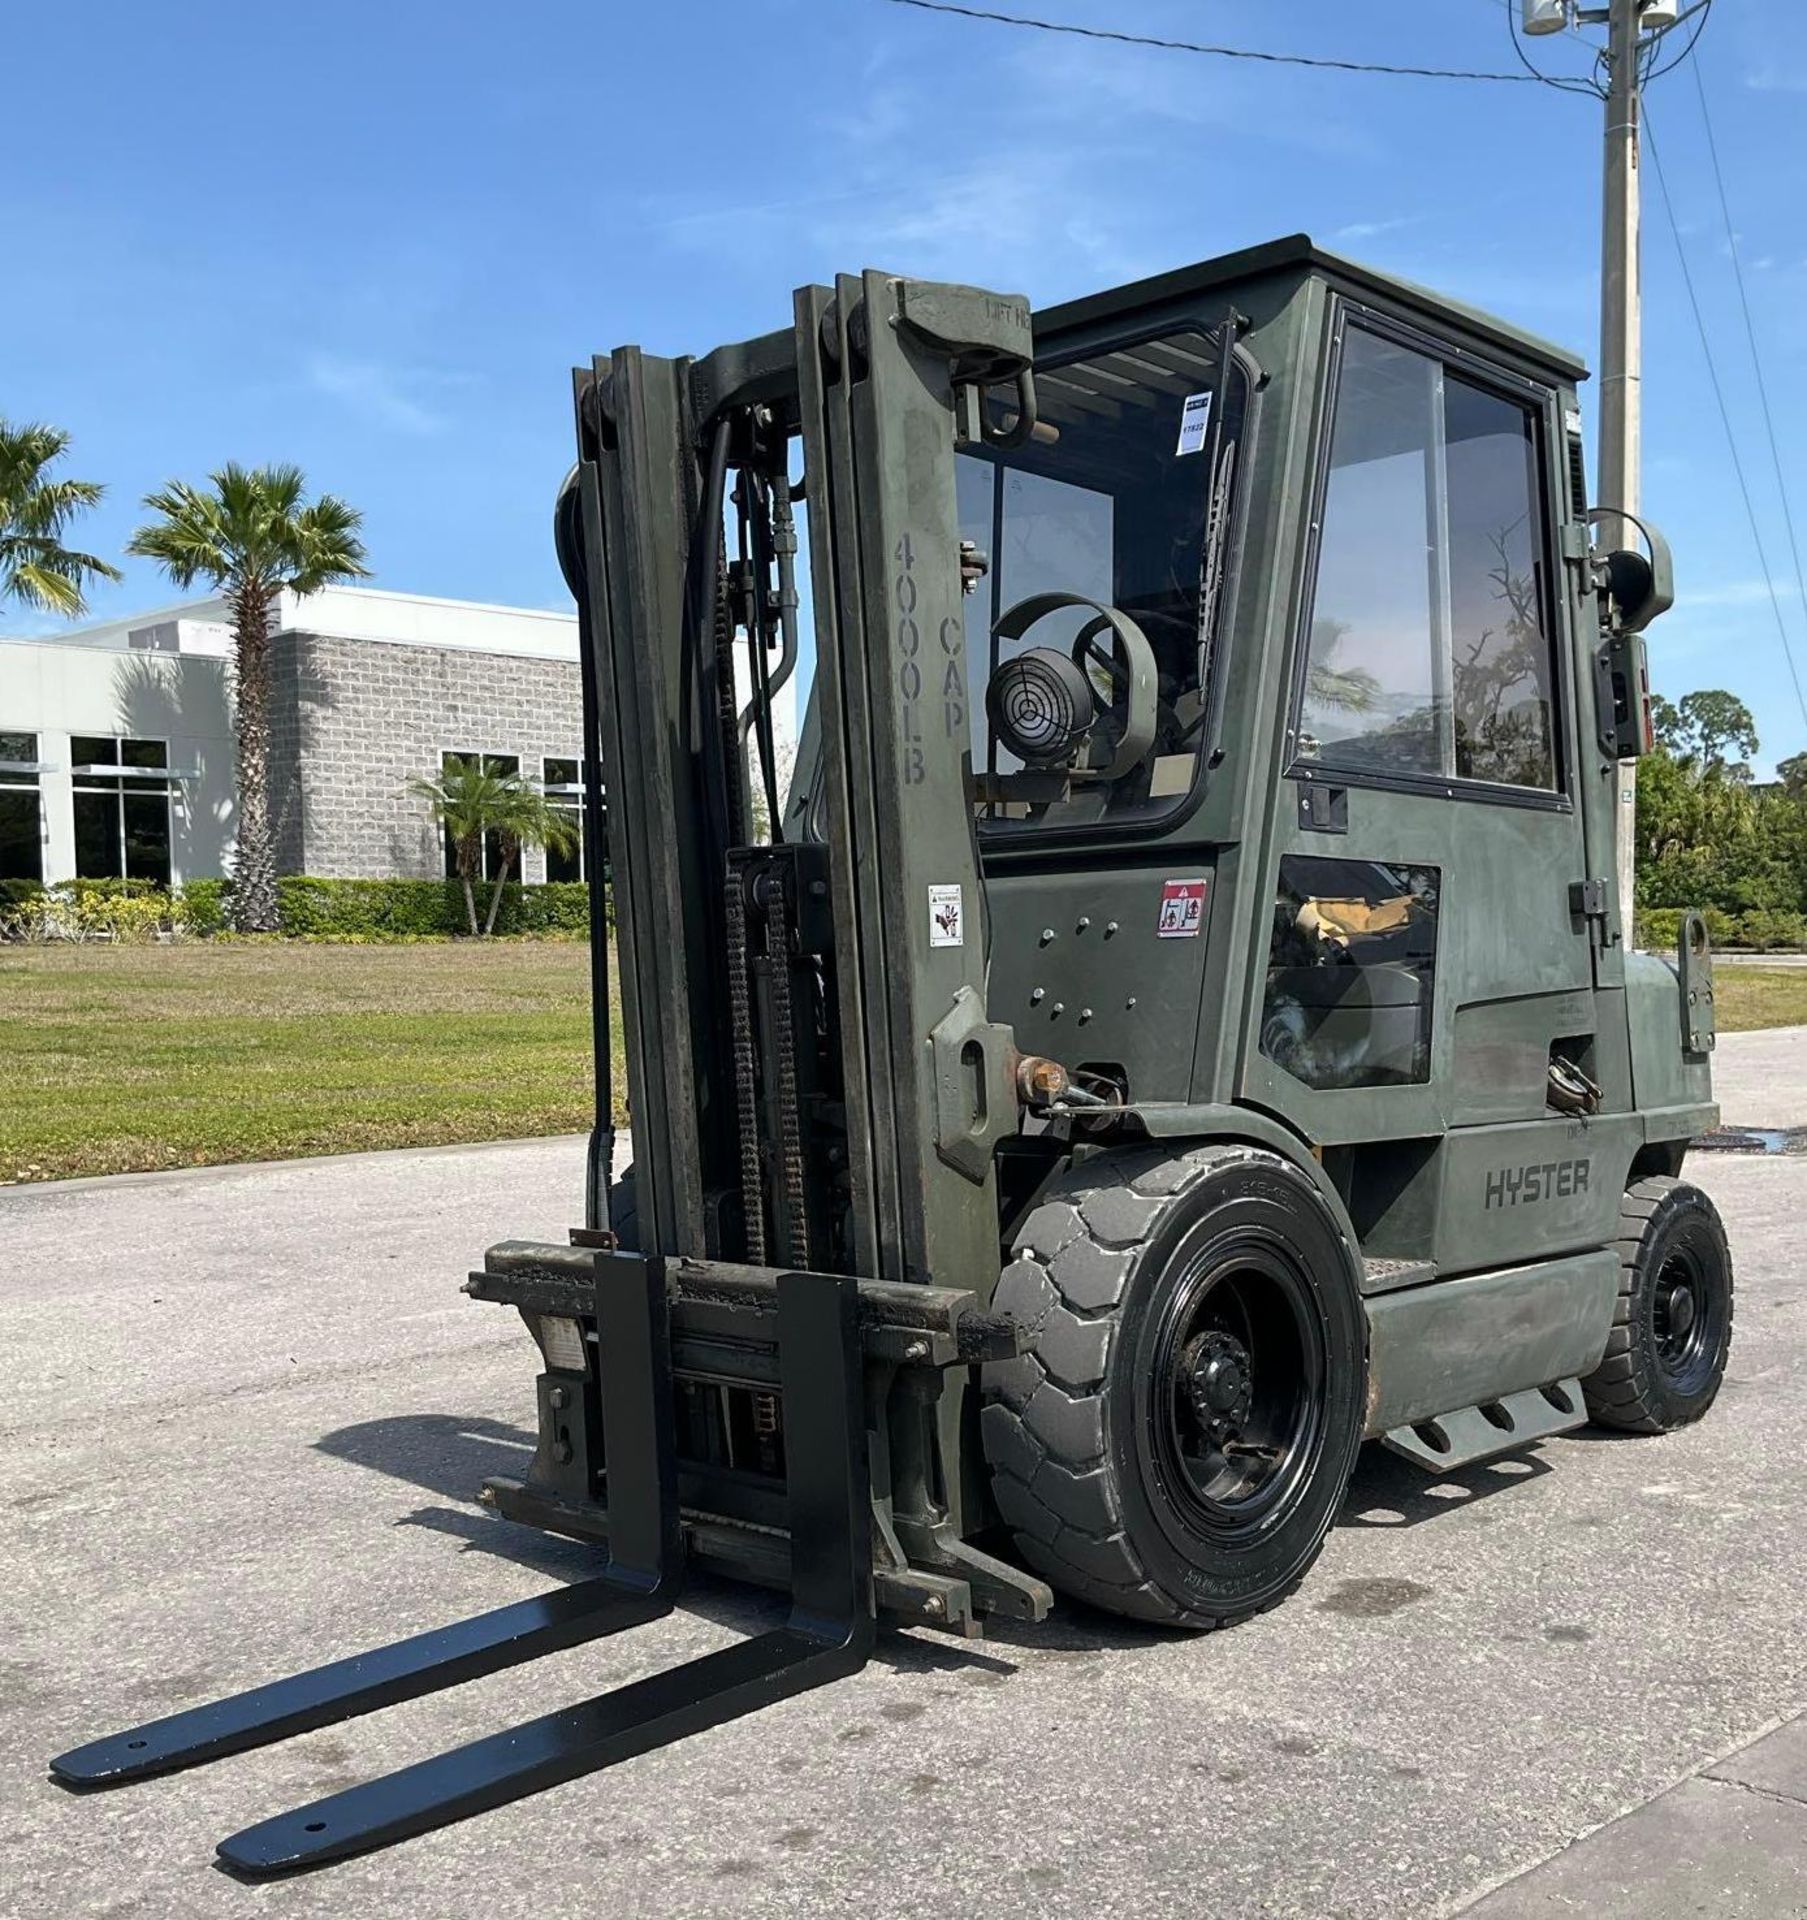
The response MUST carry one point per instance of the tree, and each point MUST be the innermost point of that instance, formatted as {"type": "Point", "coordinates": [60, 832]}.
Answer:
{"type": "Point", "coordinates": [36, 510]}
{"type": "Point", "coordinates": [471, 804]}
{"type": "Point", "coordinates": [1713, 721]}
{"type": "Point", "coordinates": [249, 535]}
{"type": "Point", "coordinates": [1666, 724]}
{"type": "Point", "coordinates": [528, 820]}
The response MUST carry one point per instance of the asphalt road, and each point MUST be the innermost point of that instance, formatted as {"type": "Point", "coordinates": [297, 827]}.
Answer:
{"type": "Point", "coordinates": [245, 1415]}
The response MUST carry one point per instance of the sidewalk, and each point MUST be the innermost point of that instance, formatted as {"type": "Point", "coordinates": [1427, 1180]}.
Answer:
{"type": "Point", "coordinates": [1729, 1841]}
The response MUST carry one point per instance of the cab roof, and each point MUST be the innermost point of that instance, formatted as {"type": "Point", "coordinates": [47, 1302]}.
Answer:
{"type": "Point", "coordinates": [1299, 252]}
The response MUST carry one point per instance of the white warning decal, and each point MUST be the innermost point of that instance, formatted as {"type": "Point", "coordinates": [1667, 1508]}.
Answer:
{"type": "Point", "coordinates": [1182, 909]}
{"type": "Point", "coordinates": [1195, 417]}
{"type": "Point", "coordinates": [947, 917]}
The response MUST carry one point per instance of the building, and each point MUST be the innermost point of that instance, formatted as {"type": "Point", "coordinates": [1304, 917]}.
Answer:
{"type": "Point", "coordinates": [116, 740]}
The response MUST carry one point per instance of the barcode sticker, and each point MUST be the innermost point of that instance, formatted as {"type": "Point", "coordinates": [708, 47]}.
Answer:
{"type": "Point", "coordinates": [1195, 418]}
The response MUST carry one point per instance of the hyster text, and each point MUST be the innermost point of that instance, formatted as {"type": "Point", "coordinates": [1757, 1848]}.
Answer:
{"type": "Point", "coordinates": [1524, 1186]}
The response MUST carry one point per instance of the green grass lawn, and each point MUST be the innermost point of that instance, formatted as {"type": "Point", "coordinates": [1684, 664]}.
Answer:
{"type": "Point", "coordinates": [1750, 997]}
{"type": "Point", "coordinates": [122, 1059]}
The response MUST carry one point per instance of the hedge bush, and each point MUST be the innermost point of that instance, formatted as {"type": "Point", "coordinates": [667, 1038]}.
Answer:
{"type": "Point", "coordinates": [310, 909]}
{"type": "Point", "coordinates": [1659, 929]}
{"type": "Point", "coordinates": [121, 910]}
{"type": "Point", "coordinates": [204, 906]}
{"type": "Point", "coordinates": [322, 909]}
{"type": "Point", "coordinates": [1772, 930]}
{"type": "Point", "coordinates": [1760, 930]}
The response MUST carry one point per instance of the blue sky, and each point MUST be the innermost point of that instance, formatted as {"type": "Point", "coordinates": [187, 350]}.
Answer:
{"type": "Point", "coordinates": [373, 238]}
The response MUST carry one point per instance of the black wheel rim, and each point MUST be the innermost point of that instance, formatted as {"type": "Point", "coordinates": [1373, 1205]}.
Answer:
{"type": "Point", "coordinates": [1237, 1407]}
{"type": "Point", "coordinates": [1687, 1313]}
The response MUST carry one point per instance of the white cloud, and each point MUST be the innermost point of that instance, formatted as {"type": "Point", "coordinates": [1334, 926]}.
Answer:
{"type": "Point", "coordinates": [383, 396]}
{"type": "Point", "coordinates": [1772, 79]}
{"type": "Point", "coordinates": [1372, 229]}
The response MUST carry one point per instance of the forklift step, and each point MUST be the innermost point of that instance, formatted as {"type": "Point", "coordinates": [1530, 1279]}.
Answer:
{"type": "Point", "coordinates": [1471, 1434]}
{"type": "Point", "coordinates": [829, 1633]}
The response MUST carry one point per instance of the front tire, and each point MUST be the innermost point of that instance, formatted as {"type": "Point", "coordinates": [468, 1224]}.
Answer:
{"type": "Point", "coordinates": [1176, 1442]}
{"type": "Point", "coordinates": [1672, 1327]}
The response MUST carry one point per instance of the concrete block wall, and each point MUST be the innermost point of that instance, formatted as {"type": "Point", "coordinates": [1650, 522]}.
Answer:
{"type": "Point", "coordinates": [358, 719]}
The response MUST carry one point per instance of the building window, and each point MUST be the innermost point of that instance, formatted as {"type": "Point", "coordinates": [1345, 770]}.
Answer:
{"type": "Point", "coordinates": [122, 795]}
{"type": "Point", "coordinates": [564, 784]}
{"type": "Point", "coordinates": [21, 812]}
{"type": "Point", "coordinates": [1430, 653]}
{"type": "Point", "coordinates": [505, 766]}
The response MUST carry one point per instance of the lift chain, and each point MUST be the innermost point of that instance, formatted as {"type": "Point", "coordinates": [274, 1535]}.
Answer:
{"type": "Point", "coordinates": [790, 1119]}
{"type": "Point", "coordinates": [740, 1014]}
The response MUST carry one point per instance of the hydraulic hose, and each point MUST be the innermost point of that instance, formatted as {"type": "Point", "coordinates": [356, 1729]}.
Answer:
{"type": "Point", "coordinates": [599, 1157]}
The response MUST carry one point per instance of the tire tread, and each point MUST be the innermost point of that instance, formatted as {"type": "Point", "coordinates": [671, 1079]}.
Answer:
{"type": "Point", "coordinates": [1621, 1392]}
{"type": "Point", "coordinates": [1097, 1564]}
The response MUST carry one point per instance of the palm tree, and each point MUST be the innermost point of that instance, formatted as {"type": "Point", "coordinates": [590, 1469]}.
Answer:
{"type": "Point", "coordinates": [35, 511]}
{"type": "Point", "coordinates": [249, 535]}
{"type": "Point", "coordinates": [471, 803]}
{"type": "Point", "coordinates": [529, 819]}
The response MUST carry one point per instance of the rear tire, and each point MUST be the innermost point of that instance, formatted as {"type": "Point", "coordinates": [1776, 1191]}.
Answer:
{"type": "Point", "coordinates": [1176, 1443]}
{"type": "Point", "coordinates": [1672, 1327]}
{"type": "Point", "coordinates": [624, 1211]}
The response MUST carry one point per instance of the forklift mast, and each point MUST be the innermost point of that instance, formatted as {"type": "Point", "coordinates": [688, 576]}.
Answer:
{"type": "Point", "coordinates": [818, 1086]}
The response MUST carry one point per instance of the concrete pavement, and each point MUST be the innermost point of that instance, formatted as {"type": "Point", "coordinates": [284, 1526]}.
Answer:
{"type": "Point", "coordinates": [1760, 1079]}
{"type": "Point", "coordinates": [246, 1414]}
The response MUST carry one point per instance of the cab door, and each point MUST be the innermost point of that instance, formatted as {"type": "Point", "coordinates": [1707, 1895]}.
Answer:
{"type": "Point", "coordinates": [1427, 958]}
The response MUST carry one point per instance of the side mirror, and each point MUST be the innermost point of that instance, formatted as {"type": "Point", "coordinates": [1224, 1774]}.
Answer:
{"type": "Point", "coordinates": [1637, 588]}
{"type": "Point", "coordinates": [1641, 587]}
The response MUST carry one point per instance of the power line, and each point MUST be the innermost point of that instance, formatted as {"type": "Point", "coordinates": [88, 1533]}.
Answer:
{"type": "Point", "coordinates": [1221, 53]}
{"type": "Point", "coordinates": [1750, 334]}
{"type": "Point", "coordinates": [1725, 415]}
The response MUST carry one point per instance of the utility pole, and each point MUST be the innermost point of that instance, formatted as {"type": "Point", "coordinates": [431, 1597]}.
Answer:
{"type": "Point", "coordinates": [1621, 322]}
{"type": "Point", "coordinates": [1622, 366]}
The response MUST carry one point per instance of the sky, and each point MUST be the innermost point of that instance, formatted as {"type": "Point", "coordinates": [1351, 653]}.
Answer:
{"type": "Point", "coordinates": [373, 238]}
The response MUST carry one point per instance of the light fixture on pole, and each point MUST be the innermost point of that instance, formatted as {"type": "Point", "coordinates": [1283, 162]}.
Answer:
{"type": "Point", "coordinates": [1553, 16]}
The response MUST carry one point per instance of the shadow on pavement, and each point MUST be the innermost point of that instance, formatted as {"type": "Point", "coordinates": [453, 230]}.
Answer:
{"type": "Point", "coordinates": [1387, 1491]}
{"type": "Point", "coordinates": [448, 1454]}
{"type": "Point", "coordinates": [452, 1454]}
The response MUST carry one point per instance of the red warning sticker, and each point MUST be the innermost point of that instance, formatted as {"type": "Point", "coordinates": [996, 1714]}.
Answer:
{"type": "Point", "coordinates": [1182, 908]}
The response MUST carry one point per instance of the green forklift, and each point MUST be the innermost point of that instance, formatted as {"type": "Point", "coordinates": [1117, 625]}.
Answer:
{"type": "Point", "coordinates": [1162, 1020]}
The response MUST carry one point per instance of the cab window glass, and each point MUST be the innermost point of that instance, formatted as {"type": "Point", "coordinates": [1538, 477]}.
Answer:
{"type": "Point", "coordinates": [1351, 976]}
{"type": "Point", "coordinates": [1429, 650]}
{"type": "Point", "coordinates": [1093, 713]}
